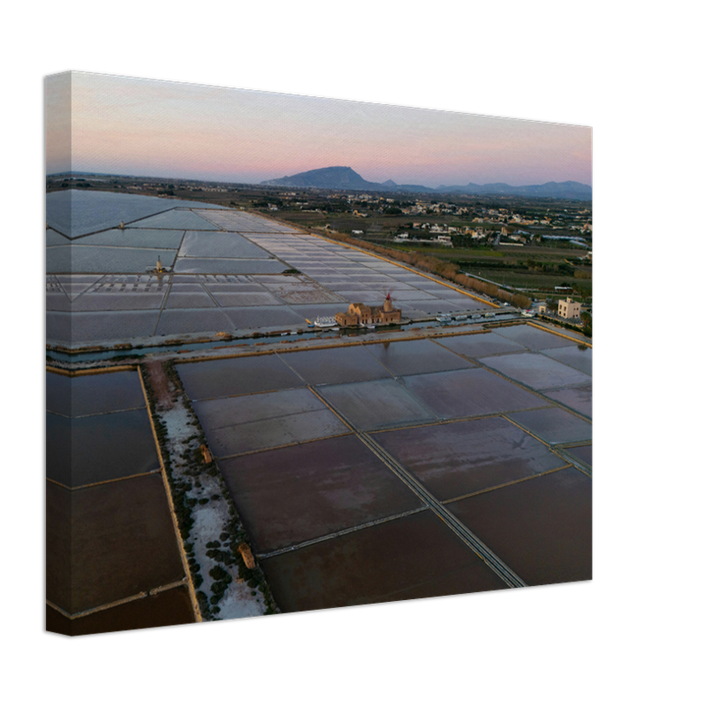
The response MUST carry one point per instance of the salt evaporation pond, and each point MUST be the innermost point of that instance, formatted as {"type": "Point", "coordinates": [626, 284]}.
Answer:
{"type": "Point", "coordinates": [110, 533]}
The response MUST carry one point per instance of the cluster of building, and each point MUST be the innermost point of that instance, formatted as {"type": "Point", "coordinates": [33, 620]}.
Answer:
{"type": "Point", "coordinates": [360, 314]}
{"type": "Point", "coordinates": [441, 238]}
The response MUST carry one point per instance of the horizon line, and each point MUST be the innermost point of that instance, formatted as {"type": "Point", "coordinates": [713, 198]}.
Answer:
{"type": "Point", "coordinates": [264, 183]}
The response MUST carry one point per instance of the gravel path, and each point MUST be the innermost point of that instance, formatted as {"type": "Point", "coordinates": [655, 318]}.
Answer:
{"type": "Point", "coordinates": [210, 508]}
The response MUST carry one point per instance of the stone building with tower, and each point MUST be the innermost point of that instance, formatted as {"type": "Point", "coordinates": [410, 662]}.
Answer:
{"type": "Point", "coordinates": [360, 314]}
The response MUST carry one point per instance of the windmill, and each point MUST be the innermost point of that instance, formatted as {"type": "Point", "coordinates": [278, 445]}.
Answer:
{"type": "Point", "coordinates": [388, 305]}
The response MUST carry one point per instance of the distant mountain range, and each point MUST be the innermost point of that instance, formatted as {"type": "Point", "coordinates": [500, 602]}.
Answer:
{"type": "Point", "coordinates": [347, 178]}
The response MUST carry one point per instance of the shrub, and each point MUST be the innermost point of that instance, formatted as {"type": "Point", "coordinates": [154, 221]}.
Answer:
{"type": "Point", "coordinates": [217, 572]}
{"type": "Point", "coordinates": [225, 557]}
{"type": "Point", "coordinates": [218, 587]}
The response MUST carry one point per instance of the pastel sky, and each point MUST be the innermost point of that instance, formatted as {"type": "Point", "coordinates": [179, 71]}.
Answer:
{"type": "Point", "coordinates": [156, 128]}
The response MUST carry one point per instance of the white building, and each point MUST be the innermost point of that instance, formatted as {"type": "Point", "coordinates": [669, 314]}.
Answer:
{"type": "Point", "coordinates": [568, 309]}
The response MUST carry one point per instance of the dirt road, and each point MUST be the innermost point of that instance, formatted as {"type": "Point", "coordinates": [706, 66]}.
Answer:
{"type": "Point", "coordinates": [160, 385]}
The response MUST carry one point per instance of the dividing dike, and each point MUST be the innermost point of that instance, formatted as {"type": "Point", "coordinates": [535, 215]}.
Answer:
{"type": "Point", "coordinates": [472, 541]}
{"type": "Point", "coordinates": [212, 539]}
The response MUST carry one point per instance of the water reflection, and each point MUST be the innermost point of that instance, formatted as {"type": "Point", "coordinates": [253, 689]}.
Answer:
{"type": "Point", "coordinates": [115, 537]}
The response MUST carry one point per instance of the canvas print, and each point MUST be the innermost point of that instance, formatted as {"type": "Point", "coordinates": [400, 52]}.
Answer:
{"type": "Point", "coordinates": [305, 353]}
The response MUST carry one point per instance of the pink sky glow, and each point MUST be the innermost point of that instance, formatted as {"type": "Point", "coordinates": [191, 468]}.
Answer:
{"type": "Point", "coordinates": [155, 128]}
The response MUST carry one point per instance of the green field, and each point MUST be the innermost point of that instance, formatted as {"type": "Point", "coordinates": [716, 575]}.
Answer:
{"type": "Point", "coordinates": [444, 252]}
{"type": "Point", "coordinates": [531, 280]}
{"type": "Point", "coordinates": [509, 267]}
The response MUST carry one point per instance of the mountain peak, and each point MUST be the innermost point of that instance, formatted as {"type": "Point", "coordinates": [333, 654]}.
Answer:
{"type": "Point", "coordinates": [348, 178]}
{"type": "Point", "coordinates": [325, 178]}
